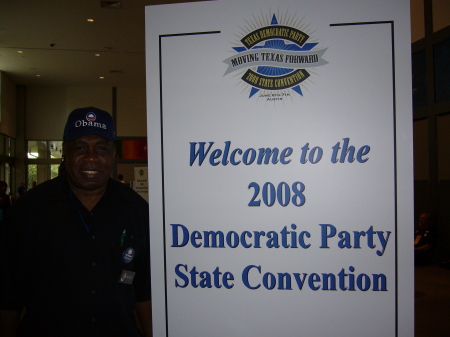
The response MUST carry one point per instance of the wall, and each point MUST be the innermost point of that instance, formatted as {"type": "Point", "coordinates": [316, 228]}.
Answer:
{"type": "Point", "coordinates": [417, 20]}
{"type": "Point", "coordinates": [440, 10]}
{"type": "Point", "coordinates": [441, 17]}
{"type": "Point", "coordinates": [48, 108]}
{"type": "Point", "coordinates": [8, 107]}
{"type": "Point", "coordinates": [131, 116]}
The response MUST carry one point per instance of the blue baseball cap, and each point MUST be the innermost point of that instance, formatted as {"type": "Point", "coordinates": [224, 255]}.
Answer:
{"type": "Point", "coordinates": [89, 121]}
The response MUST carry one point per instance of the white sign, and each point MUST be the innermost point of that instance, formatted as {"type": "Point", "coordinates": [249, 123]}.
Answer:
{"type": "Point", "coordinates": [141, 181]}
{"type": "Point", "coordinates": [280, 148]}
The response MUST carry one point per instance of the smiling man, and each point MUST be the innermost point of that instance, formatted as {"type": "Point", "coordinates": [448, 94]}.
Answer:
{"type": "Point", "coordinates": [76, 249]}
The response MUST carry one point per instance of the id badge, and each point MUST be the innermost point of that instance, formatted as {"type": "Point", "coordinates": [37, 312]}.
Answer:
{"type": "Point", "coordinates": [127, 277]}
{"type": "Point", "coordinates": [416, 241]}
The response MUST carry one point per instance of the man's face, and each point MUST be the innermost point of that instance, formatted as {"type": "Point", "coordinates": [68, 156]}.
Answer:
{"type": "Point", "coordinates": [89, 161]}
{"type": "Point", "coordinates": [424, 221]}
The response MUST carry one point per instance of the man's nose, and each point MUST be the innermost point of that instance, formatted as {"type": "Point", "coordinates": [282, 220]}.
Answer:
{"type": "Point", "coordinates": [91, 154]}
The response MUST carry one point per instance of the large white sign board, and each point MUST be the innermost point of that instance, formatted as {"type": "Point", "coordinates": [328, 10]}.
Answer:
{"type": "Point", "coordinates": [280, 168]}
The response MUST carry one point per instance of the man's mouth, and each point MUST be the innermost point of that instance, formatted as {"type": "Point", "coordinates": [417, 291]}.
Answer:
{"type": "Point", "coordinates": [90, 172]}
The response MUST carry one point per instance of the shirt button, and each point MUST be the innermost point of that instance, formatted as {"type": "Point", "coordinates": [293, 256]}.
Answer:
{"type": "Point", "coordinates": [93, 292]}
{"type": "Point", "coordinates": [93, 264]}
{"type": "Point", "coordinates": [93, 237]}
{"type": "Point", "coordinates": [93, 319]}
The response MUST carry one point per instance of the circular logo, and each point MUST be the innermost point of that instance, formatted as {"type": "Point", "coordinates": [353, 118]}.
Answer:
{"type": "Point", "coordinates": [128, 255]}
{"type": "Point", "coordinates": [273, 56]}
{"type": "Point", "coordinates": [91, 117]}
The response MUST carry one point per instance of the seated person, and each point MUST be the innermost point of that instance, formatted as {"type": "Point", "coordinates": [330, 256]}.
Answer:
{"type": "Point", "coordinates": [424, 240]}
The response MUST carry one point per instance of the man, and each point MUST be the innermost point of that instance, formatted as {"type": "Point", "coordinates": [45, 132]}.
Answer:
{"type": "Point", "coordinates": [5, 203]}
{"type": "Point", "coordinates": [424, 240]}
{"type": "Point", "coordinates": [76, 254]}
{"type": "Point", "coordinates": [21, 189]}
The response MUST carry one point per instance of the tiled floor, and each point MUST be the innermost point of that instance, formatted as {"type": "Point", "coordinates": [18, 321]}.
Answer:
{"type": "Point", "coordinates": [432, 301]}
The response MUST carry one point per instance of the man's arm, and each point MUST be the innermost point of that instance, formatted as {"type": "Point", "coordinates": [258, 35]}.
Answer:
{"type": "Point", "coordinates": [144, 313]}
{"type": "Point", "coordinates": [425, 247]}
{"type": "Point", "coordinates": [9, 322]}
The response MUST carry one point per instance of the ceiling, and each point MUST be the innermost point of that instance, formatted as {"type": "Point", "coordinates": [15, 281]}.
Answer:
{"type": "Point", "coordinates": [58, 44]}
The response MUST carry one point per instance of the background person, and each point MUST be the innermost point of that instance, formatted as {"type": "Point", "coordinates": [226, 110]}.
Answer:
{"type": "Point", "coordinates": [424, 240]}
{"type": "Point", "coordinates": [21, 189]}
{"type": "Point", "coordinates": [5, 203]}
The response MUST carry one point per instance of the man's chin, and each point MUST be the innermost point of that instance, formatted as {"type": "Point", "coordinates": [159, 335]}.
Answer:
{"type": "Point", "coordinates": [90, 185]}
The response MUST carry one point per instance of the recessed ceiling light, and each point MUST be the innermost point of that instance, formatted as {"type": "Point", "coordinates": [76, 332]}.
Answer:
{"type": "Point", "coordinates": [101, 77]}
{"type": "Point", "coordinates": [90, 20]}
{"type": "Point", "coordinates": [38, 75]}
{"type": "Point", "coordinates": [97, 54]}
{"type": "Point", "coordinates": [111, 4]}
{"type": "Point", "coordinates": [20, 52]}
